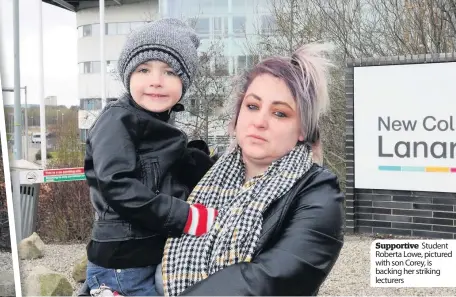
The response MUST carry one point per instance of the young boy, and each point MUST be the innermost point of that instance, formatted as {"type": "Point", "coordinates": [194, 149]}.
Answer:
{"type": "Point", "coordinates": [133, 159]}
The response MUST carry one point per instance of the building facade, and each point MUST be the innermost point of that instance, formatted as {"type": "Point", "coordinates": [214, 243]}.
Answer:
{"type": "Point", "coordinates": [230, 23]}
{"type": "Point", "coordinates": [50, 101]}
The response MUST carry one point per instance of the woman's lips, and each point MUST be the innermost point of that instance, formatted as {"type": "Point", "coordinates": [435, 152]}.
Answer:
{"type": "Point", "coordinates": [256, 137]}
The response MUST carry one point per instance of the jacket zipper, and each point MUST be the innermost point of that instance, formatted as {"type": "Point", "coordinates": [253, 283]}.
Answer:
{"type": "Point", "coordinates": [156, 176]}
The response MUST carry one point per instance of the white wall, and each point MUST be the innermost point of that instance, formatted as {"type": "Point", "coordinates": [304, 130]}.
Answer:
{"type": "Point", "coordinates": [142, 11]}
{"type": "Point", "coordinates": [89, 47]}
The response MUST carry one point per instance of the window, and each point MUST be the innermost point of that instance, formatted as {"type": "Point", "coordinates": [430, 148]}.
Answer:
{"type": "Point", "coordinates": [96, 29]}
{"type": "Point", "coordinates": [123, 28]}
{"type": "Point", "coordinates": [221, 66]}
{"type": "Point", "coordinates": [111, 29]}
{"type": "Point", "coordinates": [220, 25]}
{"type": "Point", "coordinates": [246, 62]}
{"type": "Point", "coordinates": [239, 25]}
{"type": "Point", "coordinates": [86, 30]}
{"type": "Point", "coordinates": [220, 6]}
{"type": "Point", "coordinates": [238, 6]}
{"type": "Point", "coordinates": [268, 24]}
{"type": "Point", "coordinates": [87, 67]}
{"type": "Point", "coordinates": [90, 104]}
{"type": "Point", "coordinates": [111, 66]}
{"type": "Point", "coordinates": [90, 67]}
{"type": "Point", "coordinates": [205, 6]}
{"type": "Point", "coordinates": [194, 106]}
{"type": "Point", "coordinates": [252, 61]}
{"type": "Point", "coordinates": [241, 64]}
{"type": "Point", "coordinates": [83, 134]}
{"type": "Point", "coordinates": [202, 26]}
{"type": "Point", "coordinates": [96, 67]}
{"type": "Point", "coordinates": [136, 25]}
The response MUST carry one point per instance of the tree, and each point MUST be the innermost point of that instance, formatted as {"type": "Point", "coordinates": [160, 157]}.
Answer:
{"type": "Point", "coordinates": [69, 149]}
{"type": "Point", "coordinates": [205, 116]}
{"type": "Point", "coordinates": [293, 23]}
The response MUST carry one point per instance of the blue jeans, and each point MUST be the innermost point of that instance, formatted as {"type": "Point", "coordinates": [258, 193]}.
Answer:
{"type": "Point", "coordinates": [127, 282]}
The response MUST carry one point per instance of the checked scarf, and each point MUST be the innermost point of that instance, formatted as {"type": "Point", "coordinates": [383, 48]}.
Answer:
{"type": "Point", "coordinates": [233, 238]}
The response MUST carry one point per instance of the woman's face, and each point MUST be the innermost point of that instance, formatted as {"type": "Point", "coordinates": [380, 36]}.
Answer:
{"type": "Point", "coordinates": [268, 126]}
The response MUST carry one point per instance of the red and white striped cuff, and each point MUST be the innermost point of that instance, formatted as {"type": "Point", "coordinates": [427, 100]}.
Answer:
{"type": "Point", "coordinates": [200, 219]}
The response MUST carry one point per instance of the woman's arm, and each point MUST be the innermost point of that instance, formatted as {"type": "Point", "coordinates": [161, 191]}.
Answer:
{"type": "Point", "coordinates": [299, 262]}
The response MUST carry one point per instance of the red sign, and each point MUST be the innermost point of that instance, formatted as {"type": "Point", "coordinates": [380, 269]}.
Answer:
{"type": "Point", "coordinates": [63, 171]}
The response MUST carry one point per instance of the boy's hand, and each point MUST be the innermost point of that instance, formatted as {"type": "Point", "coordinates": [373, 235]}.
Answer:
{"type": "Point", "coordinates": [200, 219]}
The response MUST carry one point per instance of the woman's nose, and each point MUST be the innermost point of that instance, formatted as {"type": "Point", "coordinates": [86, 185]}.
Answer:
{"type": "Point", "coordinates": [260, 120]}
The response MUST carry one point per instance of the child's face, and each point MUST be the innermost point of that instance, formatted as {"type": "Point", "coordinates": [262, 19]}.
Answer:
{"type": "Point", "coordinates": [155, 86]}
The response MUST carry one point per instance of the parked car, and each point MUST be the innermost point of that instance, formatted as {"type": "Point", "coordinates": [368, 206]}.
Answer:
{"type": "Point", "coordinates": [36, 138]}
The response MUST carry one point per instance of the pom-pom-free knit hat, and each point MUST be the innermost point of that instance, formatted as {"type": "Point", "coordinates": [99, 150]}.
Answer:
{"type": "Point", "coordinates": [168, 40]}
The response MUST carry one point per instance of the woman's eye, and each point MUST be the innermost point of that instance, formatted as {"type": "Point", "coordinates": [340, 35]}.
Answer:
{"type": "Point", "coordinates": [280, 114]}
{"type": "Point", "coordinates": [143, 70]}
{"type": "Point", "coordinates": [170, 72]}
{"type": "Point", "coordinates": [252, 107]}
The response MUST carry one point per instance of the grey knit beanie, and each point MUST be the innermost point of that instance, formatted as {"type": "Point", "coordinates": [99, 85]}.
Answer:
{"type": "Point", "coordinates": [168, 40]}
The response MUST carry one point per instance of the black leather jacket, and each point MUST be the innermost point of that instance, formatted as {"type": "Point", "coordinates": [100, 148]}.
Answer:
{"type": "Point", "coordinates": [300, 241]}
{"type": "Point", "coordinates": [132, 159]}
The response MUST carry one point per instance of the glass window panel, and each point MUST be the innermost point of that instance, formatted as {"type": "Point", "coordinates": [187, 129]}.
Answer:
{"type": "Point", "coordinates": [111, 29]}
{"type": "Point", "coordinates": [237, 6]}
{"type": "Point", "coordinates": [202, 26]}
{"type": "Point", "coordinates": [87, 30]}
{"type": "Point", "coordinates": [238, 24]}
{"type": "Point", "coordinates": [111, 66]}
{"type": "Point", "coordinates": [87, 67]}
{"type": "Point", "coordinates": [221, 66]}
{"type": "Point", "coordinates": [136, 25]}
{"type": "Point", "coordinates": [241, 64]}
{"type": "Point", "coordinates": [96, 67]}
{"type": "Point", "coordinates": [96, 29]}
{"type": "Point", "coordinates": [123, 28]}
{"type": "Point", "coordinates": [205, 6]}
{"type": "Point", "coordinates": [268, 24]}
{"type": "Point", "coordinates": [220, 6]}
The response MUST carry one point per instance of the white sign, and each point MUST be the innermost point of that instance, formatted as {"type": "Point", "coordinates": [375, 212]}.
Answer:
{"type": "Point", "coordinates": [413, 263]}
{"type": "Point", "coordinates": [405, 127]}
{"type": "Point", "coordinates": [31, 176]}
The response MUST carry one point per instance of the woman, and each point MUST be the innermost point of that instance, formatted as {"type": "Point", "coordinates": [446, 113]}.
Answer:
{"type": "Point", "coordinates": [280, 225]}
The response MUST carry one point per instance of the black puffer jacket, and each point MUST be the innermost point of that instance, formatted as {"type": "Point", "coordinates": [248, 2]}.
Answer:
{"type": "Point", "coordinates": [300, 242]}
{"type": "Point", "coordinates": [133, 162]}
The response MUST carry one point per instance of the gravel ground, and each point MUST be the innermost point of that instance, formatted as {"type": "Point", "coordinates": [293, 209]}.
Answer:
{"type": "Point", "coordinates": [59, 258]}
{"type": "Point", "coordinates": [349, 277]}
{"type": "Point", "coordinates": [6, 261]}
{"type": "Point", "coordinates": [6, 274]}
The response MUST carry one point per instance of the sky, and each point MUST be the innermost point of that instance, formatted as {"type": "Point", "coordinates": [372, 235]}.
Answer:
{"type": "Point", "coordinates": [59, 51]}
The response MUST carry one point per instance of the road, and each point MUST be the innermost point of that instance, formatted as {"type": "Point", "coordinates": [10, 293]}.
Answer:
{"type": "Point", "coordinates": [33, 148]}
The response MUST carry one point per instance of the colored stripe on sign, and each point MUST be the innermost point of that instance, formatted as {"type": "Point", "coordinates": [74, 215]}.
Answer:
{"type": "Point", "coordinates": [389, 168]}
{"type": "Point", "coordinates": [437, 169]}
{"type": "Point", "coordinates": [413, 168]}
{"type": "Point", "coordinates": [418, 169]}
